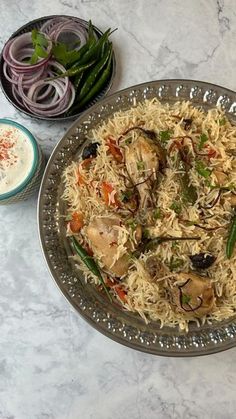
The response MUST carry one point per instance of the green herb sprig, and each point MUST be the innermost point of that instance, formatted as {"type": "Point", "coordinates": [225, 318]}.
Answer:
{"type": "Point", "coordinates": [40, 44]}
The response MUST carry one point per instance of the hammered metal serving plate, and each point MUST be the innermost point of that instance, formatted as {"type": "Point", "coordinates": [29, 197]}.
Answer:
{"type": "Point", "coordinates": [126, 328]}
{"type": "Point", "coordinates": [6, 86]}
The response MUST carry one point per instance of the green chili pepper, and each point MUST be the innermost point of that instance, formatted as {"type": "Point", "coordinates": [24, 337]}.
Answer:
{"type": "Point", "coordinates": [77, 81]}
{"type": "Point", "coordinates": [91, 37]}
{"type": "Point", "coordinates": [73, 71]}
{"type": "Point", "coordinates": [90, 263]}
{"type": "Point", "coordinates": [89, 44]}
{"type": "Point", "coordinates": [231, 238]}
{"type": "Point", "coordinates": [95, 89]}
{"type": "Point", "coordinates": [94, 52]}
{"type": "Point", "coordinates": [93, 73]}
{"type": "Point", "coordinates": [188, 190]}
{"type": "Point", "coordinates": [80, 54]}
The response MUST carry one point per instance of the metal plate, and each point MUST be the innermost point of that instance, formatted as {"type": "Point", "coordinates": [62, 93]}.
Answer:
{"type": "Point", "coordinates": [123, 327]}
{"type": "Point", "coordinates": [6, 85]}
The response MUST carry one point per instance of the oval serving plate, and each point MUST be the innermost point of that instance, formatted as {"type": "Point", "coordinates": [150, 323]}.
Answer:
{"type": "Point", "coordinates": [6, 87]}
{"type": "Point", "coordinates": [126, 328]}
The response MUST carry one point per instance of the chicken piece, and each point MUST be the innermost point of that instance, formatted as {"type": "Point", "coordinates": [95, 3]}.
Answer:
{"type": "Point", "coordinates": [155, 268]}
{"type": "Point", "coordinates": [194, 295]}
{"type": "Point", "coordinates": [103, 239]}
{"type": "Point", "coordinates": [143, 158]}
{"type": "Point", "coordinates": [221, 177]}
{"type": "Point", "coordinates": [232, 198]}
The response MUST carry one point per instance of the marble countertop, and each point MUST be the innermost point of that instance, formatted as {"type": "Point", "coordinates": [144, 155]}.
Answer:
{"type": "Point", "coordinates": [52, 364]}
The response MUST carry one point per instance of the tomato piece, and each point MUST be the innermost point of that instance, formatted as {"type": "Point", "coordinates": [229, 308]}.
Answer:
{"type": "Point", "coordinates": [121, 293]}
{"type": "Point", "coordinates": [84, 165]}
{"type": "Point", "coordinates": [80, 178]}
{"type": "Point", "coordinates": [212, 153]}
{"type": "Point", "coordinates": [115, 150]}
{"type": "Point", "coordinates": [106, 190]}
{"type": "Point", "coordinates": [109, 283]}
{"type": "Point", "coordinates": [77, 222]}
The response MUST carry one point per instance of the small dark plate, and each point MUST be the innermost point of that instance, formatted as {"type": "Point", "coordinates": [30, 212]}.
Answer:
{"type": "Point", "coordinates": [6, 86]}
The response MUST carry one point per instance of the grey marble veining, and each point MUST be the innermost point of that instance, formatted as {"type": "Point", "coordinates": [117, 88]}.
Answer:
{"type": "Point", "coordinates": [52, 364]}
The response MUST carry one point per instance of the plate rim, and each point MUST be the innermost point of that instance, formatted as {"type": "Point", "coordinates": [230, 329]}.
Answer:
{"type": "Point", "coordinates": [134, 345]}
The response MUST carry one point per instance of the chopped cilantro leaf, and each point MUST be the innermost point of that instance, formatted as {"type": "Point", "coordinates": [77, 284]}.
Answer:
{"type": "Point", "coordinates": [146, 234]}
{"type": "Point", "coordinates": [175, 263]}
{"type": "Point", "coordinates": [140, 165]}
{"type": "Point", "coordinates": [164, 136]}
{"type": "Point", "coordinates": [202, 169]}
{"type": "Point", "coordinates": [157, 213]}
{"type": "Point", "coordinates": [34, 58]}
{"type": "Point", "coordinates": [132, 224]}
{"type": "Point", "coordinates": [63, 55]}
{"type": "Point", "coordinates": [40, 51]}
{"type": "Point", "coordinates": [176, 207]}
{"type": "Point", "coordinates": [185, 299]}
{"type": "Point", "coordinates": [203, 140]}
{"type": "Point", "coordinates": [128, 140]}
{"type": "Point", "coordinates": [125, 196]}
{"type": "Point", "coordinates": [40, 44]}
{"type": "Point", "coordinates": [222, 121]}
{"type": "Point", "coordinates": [175, 244]}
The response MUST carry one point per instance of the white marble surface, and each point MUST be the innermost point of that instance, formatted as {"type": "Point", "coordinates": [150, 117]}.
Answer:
{"type": "Point", "coordinates": [52, 364]}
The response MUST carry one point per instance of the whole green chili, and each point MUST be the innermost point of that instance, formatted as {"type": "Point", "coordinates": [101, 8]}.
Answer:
{"type": "Point", "coordinates": [231, 238]}
{"type": "Point", "coordinates": [94, 52]}
{"type": "Point", "coordinates": [90, 263]}
{"type": "Point", "coordinates": [77, 81]}
{"type": "Point", "coordinates": [93, 74]}
{"type": "Point", "coordinates": [73, 71]}
{"type": "Point", "coordinates": [95, 89]}
{"type": "Point", "coordinates": [91, 37]}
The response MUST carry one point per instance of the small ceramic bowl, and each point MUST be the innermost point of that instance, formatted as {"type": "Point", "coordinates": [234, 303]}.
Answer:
{"type": "Point", "coordinates": [31, 182]}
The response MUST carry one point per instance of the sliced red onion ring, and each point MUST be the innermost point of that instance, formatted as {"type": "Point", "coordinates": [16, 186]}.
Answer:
{"type": "Point", "coordinates": [12, 75]}
{"type": "Point", "coordinates": [63, 107]}
{"type": "Point", "coordinates": [9, 75]}
{"type": "Point", "coordinates": [61, 86]}
{"type": "Point", "coordinates": [56, 27]}
{"type": "Point", "coordinates": [17, 49]}
{"type": "Point", "coordinates": [37, 97]}
{"type": "Point", "coordinates": [16, 95]}
{"type": "Point", "coordinates": [50, 24]}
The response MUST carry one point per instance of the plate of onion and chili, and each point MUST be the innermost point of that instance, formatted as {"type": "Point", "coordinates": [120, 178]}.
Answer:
{"type": "Point", "coordinates": [55, 67]}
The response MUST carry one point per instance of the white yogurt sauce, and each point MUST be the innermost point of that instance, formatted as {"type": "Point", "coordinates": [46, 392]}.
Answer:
{"type": "Point", "coordinates": [16, 157]}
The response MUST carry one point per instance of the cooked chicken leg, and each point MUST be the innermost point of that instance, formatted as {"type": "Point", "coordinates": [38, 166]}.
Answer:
{"type": "Point", "coordinates": [142, 158]}
{"type": "Point", "coordinates": [103, 236]}
{"type": "Point", "coordinates": [195, 296]}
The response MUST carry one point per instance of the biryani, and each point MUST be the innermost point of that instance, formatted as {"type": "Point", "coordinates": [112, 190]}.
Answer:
{"type": "Point", "coordinates": [151, 212]}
